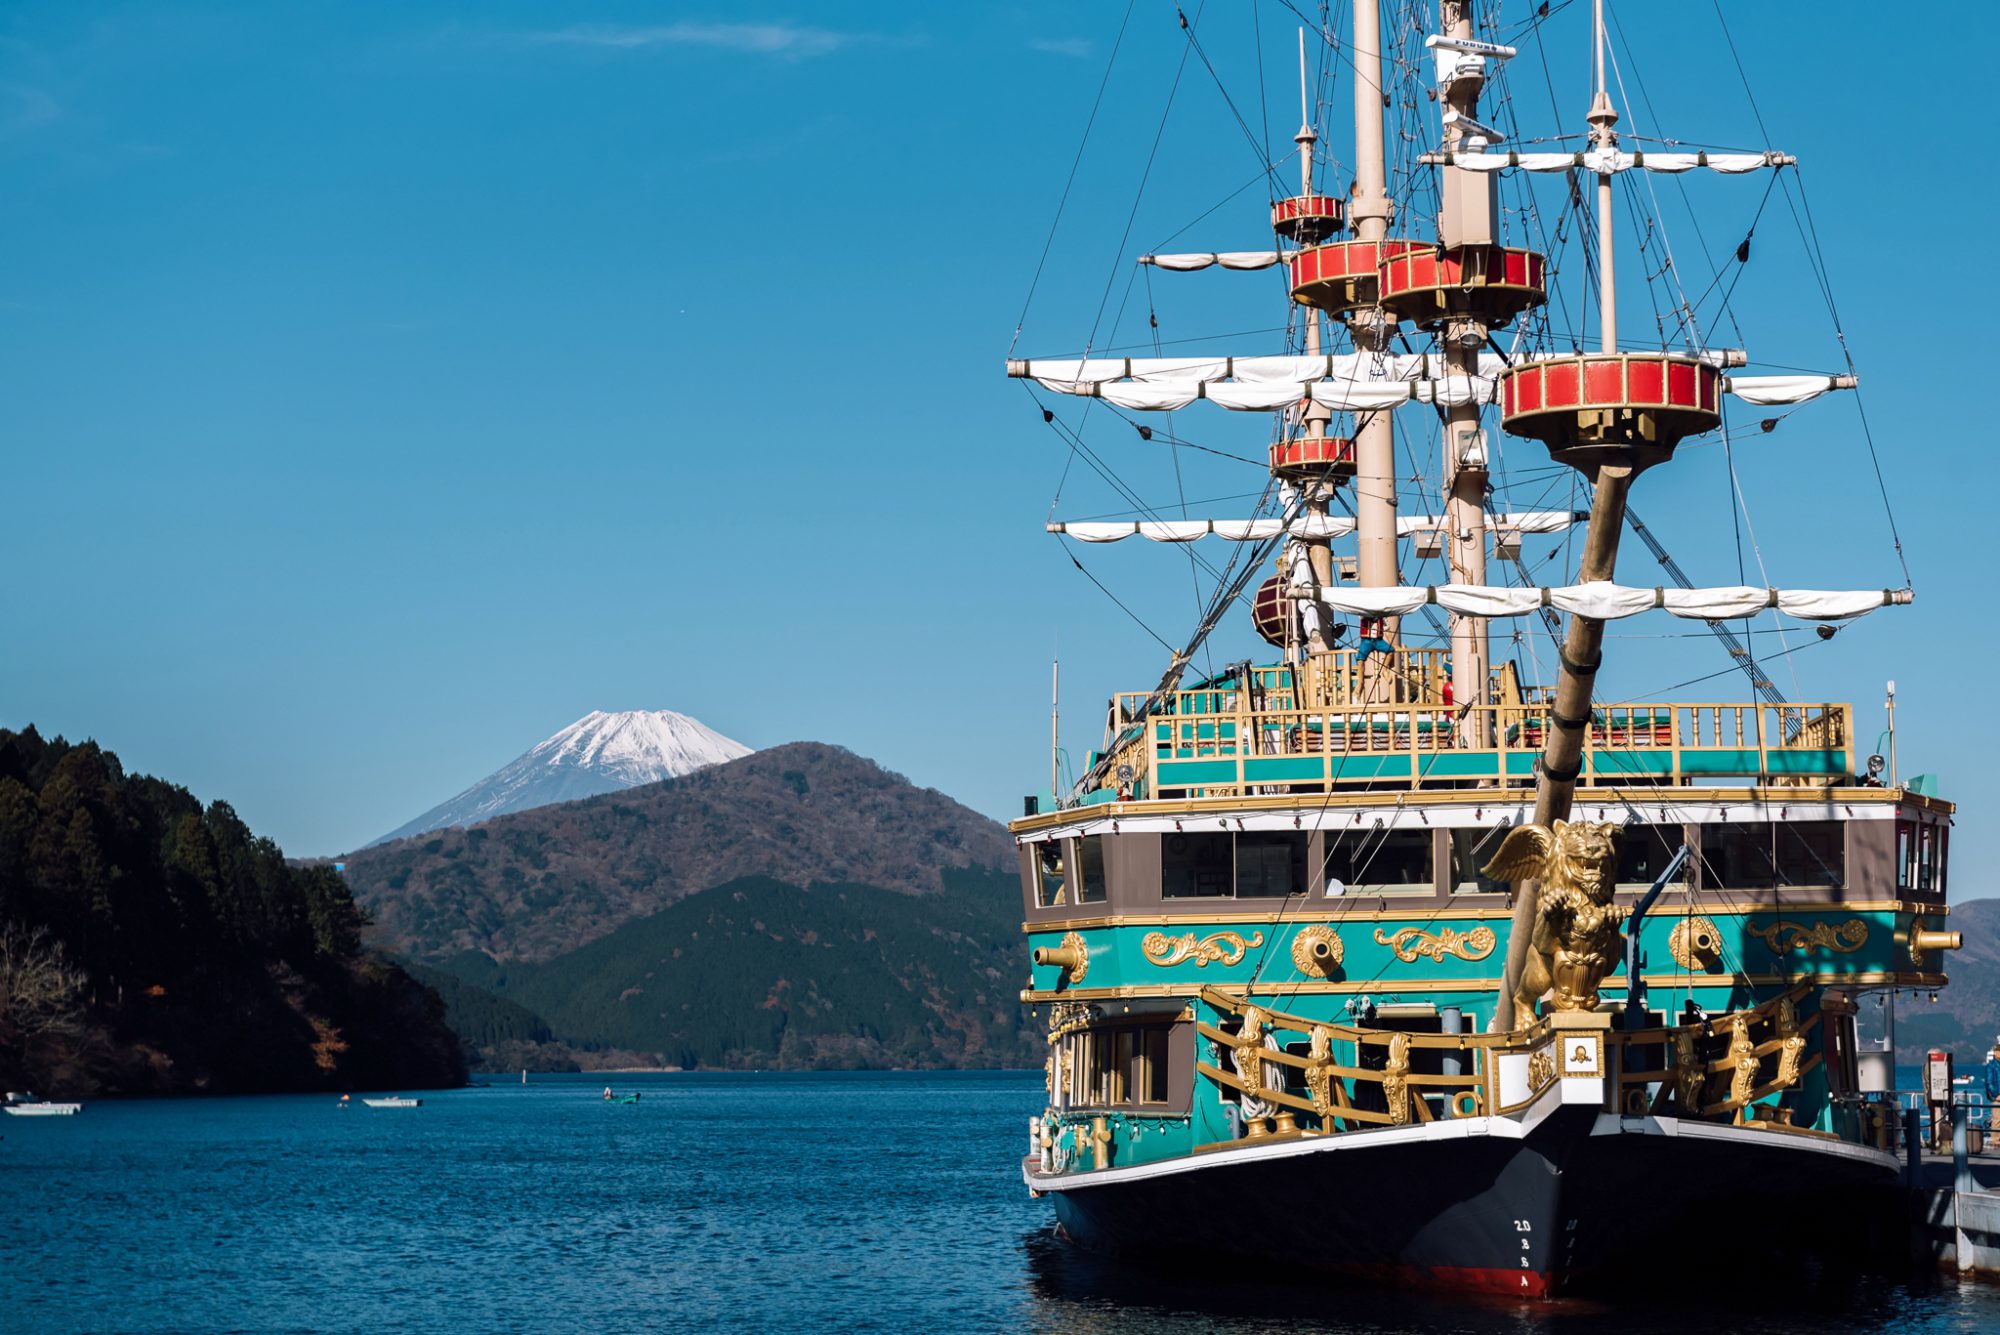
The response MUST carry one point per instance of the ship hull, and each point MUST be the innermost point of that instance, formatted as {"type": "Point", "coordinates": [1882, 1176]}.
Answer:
{"type": "Point", "coordinates": [1483, 1205]}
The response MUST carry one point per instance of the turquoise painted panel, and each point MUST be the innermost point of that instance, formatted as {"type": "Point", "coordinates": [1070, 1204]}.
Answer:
{"type": "Point", "coordinates": [1631, 762]}
{"type": "Point", "coordinates": [1194, 773]}
{"type": "Point", "coordinates": [1719, 762]}
{"type": "Point", "coordinates": [1808, 762]}
{"type": "Point", "coordinates": [1284, 769]}
{"type": "Point", "coordinates": [1462, 765]}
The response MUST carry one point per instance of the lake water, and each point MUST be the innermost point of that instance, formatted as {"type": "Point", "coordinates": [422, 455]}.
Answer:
{"type": "Point", "coordinates": [720, 1202]}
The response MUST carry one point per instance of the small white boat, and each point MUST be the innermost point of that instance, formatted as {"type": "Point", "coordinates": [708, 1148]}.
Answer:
{"type": "Point", "coordinates": [396, 1101]}
{"type": "Point", "coordinates": [27, 1105]}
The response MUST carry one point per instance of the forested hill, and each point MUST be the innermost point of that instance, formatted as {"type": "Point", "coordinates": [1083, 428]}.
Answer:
{"type": "Point", "coordinates": [151, 945]}
{"type": "Point", "coordinates": [540, 883]}
{"type": "Point", "coordinates": [757, 973]}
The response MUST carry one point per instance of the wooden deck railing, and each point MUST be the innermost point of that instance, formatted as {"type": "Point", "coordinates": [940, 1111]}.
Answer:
{"type": "Point", "coordinates": [1717, 1070]}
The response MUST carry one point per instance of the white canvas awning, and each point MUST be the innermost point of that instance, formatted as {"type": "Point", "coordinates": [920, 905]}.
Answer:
{"type": "Point", "coordinates": [1227, 259]}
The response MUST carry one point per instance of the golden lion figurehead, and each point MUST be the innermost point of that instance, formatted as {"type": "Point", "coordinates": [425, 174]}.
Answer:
{"type": "Point", "coordinates": [1579, 857]}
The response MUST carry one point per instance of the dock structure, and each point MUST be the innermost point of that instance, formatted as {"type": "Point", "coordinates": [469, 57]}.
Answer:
{"type": "Point", "coordinates": [1955, 1201]}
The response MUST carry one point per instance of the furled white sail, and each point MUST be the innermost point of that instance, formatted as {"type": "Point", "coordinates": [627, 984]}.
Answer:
{"type": "Point", "coordinates": [1343, 382]}
{"type": "Point", "coordinates": [1603, 161]}
{"type": "Point", "coordinates": [1604, 601]}
{"type": "Point", "coordinates": [1227, 259]}
{"type": "Point", "coordinates": [1305, 526]}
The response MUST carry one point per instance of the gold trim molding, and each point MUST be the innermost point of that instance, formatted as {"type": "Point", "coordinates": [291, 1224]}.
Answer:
{"type": "Point", "coordinates": [1846, 937]}
{"type": "Point", "coordinates": [1219, 948]}
{"type": "Point", "coordinates": [1410, 942]}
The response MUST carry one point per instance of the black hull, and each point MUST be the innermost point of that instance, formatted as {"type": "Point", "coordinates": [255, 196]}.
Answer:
{"type": "Point", "coordinates": [1576, 1203]}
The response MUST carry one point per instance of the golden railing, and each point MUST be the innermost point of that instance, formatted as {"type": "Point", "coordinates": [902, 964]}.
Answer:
{"type": "Point", "coordinates": [1265, 744]}
{"type": "Point", "coordinates": [1691, 1064]}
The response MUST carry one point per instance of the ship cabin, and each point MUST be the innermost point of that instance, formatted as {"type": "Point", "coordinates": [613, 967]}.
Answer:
{"type": "Point", "coordinates": [1262, 911]}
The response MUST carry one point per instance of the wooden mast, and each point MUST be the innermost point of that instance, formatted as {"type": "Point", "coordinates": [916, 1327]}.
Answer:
{"type": "Point", "coordinates": [1562, 757]}
{"type": "Point", "coordinates": [1467, 219]}
{"type": "Point", "coordinates": [1370, 210]}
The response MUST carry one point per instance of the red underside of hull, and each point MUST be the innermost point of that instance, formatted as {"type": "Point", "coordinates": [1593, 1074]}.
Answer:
{"type": "Point", "coordinates": [1490, 1282]}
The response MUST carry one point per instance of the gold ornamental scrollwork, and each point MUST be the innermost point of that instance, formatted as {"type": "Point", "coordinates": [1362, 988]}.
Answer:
{"type": "Point", "coordinates": [1410, 942]}
{"type": "Point", "coordinates": [1783, 937]}
{"type": "Point", "coordinates": [1218, 948]}
{"type": "Point", "coordinates": [1317, 951]}
{"type": "Point", "coordinates": [1696, 944]}
{"type": "Point", "coordinates": [1541, 1069]}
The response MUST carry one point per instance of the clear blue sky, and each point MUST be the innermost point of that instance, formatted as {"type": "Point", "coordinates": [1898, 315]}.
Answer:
{"type": "Point", "coordinates": [383, 387]}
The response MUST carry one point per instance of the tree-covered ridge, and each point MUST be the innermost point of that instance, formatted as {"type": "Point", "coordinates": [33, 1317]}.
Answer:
{"type": "Point", "coordinates": [536, 884]}
{"type": "Point", "coordinates": [186, 953]}
{"type": "Point", "coordinates": [757, 973]}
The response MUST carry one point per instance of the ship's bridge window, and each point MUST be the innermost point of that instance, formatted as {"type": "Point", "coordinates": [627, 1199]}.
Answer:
{"type": "Point", "coordinates": [1473, 849]}
{"type": "Point", "coordinates": [1049, 864]}
{"type": "Point", "coordinates": [1253, 864]}
{"type": "Point", "coordinates": [1090, 869]}
{"type": "Point", "coordinates": [1920, 861]}
{"type": "Point", "coordinates": [1366, 860]}
{"type": "Point", "coordinates": [1761, 855]}
{"type": "Point", "coordinates": [1647, 851]}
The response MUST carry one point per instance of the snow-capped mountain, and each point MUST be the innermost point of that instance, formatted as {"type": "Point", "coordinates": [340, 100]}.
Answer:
{"type": "Point", "coordinates": [599, 753]}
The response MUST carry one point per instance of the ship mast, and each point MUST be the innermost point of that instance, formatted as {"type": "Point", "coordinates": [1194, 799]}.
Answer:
{"type": "Point", "coordinates": [1561, 760]}
{"type": "Point", "coordinates": [1466, 218]}
{"type": "Point", "coordinates": [1370, 210]}
{"type": "Point", "coordinates": [1318, 492]}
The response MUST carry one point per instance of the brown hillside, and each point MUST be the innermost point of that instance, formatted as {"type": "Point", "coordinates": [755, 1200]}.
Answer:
{"type": "Point", "coordinates": [538, 883]}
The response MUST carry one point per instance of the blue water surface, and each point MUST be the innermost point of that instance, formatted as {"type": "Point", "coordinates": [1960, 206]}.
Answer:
{"type": "Point", "coordinates": [752, 1202]}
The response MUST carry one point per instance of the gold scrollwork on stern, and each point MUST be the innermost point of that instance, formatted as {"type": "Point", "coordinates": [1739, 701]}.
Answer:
{"type": "Point", "coordinates": [1221, 947]}
{"type": "Point", "coordinates": [1410, 942]}
{"type": "Point", "coordinates": [1696, 945]}
{"type": "Point", "coordinates": [1783, 937]}
{"type": "Point", "coordinates": [1541, 1069]}
{"type": "Point", "coordinates": [1317, 951]}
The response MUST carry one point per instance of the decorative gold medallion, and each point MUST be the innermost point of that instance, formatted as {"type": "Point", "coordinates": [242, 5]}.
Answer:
{"type": "Point", "coordinates": [1222, 947]}
{"type": "Point", "coordinates": [1782, 936]}
{"type": "Point", "coordinates": [1696, 945]}
{"type": "Point", "coordinates": [1317, 951]}
{"type": "Point", "coordinates": [1410, 942]}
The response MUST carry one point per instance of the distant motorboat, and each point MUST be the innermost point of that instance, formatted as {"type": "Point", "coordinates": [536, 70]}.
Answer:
{"type": "Point", "coordinates": [396, 1101]}
{"type": "Point", "coordinates": [28, 1105]}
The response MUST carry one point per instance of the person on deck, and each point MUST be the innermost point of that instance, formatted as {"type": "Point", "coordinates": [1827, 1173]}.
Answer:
{"type": "Point", "coordinates": [1993, 1072]}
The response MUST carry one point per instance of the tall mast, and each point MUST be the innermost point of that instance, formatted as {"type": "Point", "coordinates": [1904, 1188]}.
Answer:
{"type": "Point", "coordinates": [1370, 209]}
{"type": "Point", "coordinates": [1318, 494]}
{"type": "Point", "coordinates": [1583, 645]}
{"type": "Point", "coordinates": [1467, 219]}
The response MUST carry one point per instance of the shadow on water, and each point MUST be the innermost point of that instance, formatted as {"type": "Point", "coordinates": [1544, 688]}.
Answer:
{"type": "Point", "coordinates": [1076, 1291]}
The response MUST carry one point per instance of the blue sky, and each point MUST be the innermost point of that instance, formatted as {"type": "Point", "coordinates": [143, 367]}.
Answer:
{"type": "Point", "coordinates": [382, 388]}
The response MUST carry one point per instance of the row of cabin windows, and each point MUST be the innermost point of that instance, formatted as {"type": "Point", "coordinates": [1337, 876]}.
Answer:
{"type": "Point", "coordinates": [1121, 1067]}
{"type": "Point", "coordinates": [1272, 864]}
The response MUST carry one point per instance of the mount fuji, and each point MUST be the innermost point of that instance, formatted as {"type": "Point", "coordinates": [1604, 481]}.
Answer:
{"type": "Point", "coordinates": [599, 753]}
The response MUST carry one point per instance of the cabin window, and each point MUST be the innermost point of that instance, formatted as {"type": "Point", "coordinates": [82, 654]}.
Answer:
{"type": "Point", "coordinates": [1049, 860]}
{"type": "Point", "coordinates": [1738, 857]}
{"type": "Point", "coordinates": [1153, 1064]}
{"type": "Point", "coordinates": [1128, 1066]}
{"type": "Point", "coordinates": [1090, 866]}
{"type": "Point", "coordinates": [1647, 851]}
{"type": "Point", "coordinates": [1197, 866]}
{"type": "Point", "coordinates": [1811, 852]}
{"type": "Point", "coordinates": [1471, 850]}
{"type": "Point", "coordinates": [1922, 855]}
{"type": "Point", "coordinates": [1379, 862]}
{"type": "Point", "coordinates": [1270, 864]}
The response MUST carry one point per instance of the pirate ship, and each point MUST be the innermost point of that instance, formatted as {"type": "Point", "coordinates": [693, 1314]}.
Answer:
{"type": "Point", "coordinates": [1383, 957]}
